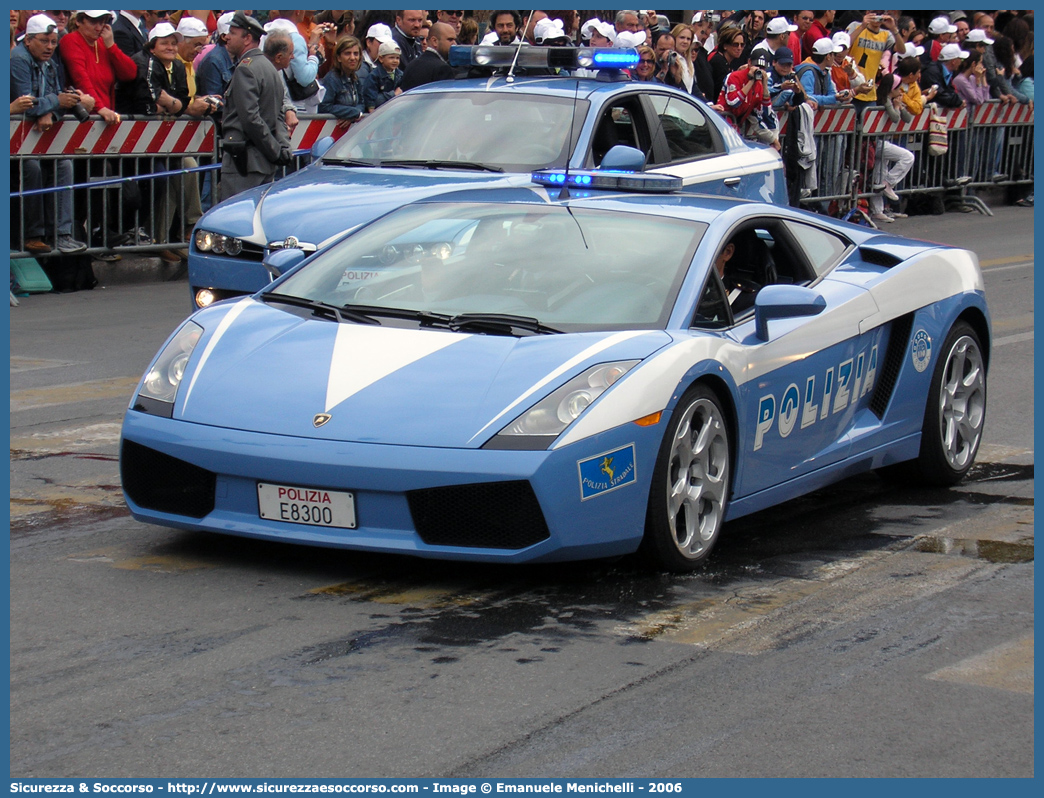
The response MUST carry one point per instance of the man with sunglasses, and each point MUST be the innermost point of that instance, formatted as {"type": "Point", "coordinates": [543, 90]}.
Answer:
{"type": "Point", "coordinates": [35, 72]}
{"type": "Point", "coordinates": [451, 18]}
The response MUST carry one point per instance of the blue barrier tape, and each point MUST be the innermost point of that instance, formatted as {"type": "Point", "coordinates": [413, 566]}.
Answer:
{"type": "Point", "coordinates": [115, 181]}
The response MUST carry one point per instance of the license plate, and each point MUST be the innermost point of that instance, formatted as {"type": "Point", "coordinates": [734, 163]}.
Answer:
{"type": "Point", "coordinates": [311, 506]}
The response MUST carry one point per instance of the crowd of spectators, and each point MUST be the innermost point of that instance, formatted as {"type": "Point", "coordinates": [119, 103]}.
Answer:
{"type": "Point", "coordinates": [759, 69]}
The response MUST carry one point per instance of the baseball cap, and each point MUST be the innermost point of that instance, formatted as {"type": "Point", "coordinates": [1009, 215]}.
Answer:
{"type": "Point", "coordinates": [387, 48]}
{"type": "Point", "coordinates": [825, 46]}
{"type": "Point", "coordinates": [380, 32]}
{"type": "Point", "coordinates": [95, 14]}
{"type": "Point", "coordinates": [778, 25]}
{"type": "Point", "coordinates": [224, 22]}
{"type": "Point", "coordinates": [629, 38]}
{"type": "Point", "coordinates": [241, 20]}
{"type": "Point", "coordinates": [762, 58]}
{"type": "Point", "coordinates": [974, 36]}
{"type": "Point", "coordinates": [161, 30]}
{"type": "Point", "coordinates": [784, 55]}
{"type": "Point", "coordinates": [40, 23]}
{"type": "Point", "coordinates": [956, 15]}
{"type": "Point", "coordinates": [951, 51]}
{"type": "Point", "coordinates": [596, 25]}
{"type": "Point", "coordinates": [941, 25]}
{"type": "Point", "coordinates": [284, 25]}
{"type": "Point", "coordinates": [192, 28]}
{"type": "Point", "coordinates": [913, 50]}
{"type": "Point", "coordinates": [841, 38]}
{"type": "Point", "coordinates": [548, 28]}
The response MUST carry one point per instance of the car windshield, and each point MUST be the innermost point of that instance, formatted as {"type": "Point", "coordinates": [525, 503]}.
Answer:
{"type": "Point", "coordinates": [511, 133]}
{"type": "Point", "coordinates": [570, 269]}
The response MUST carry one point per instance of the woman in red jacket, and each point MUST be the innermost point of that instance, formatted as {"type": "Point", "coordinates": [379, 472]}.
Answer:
{"type": "Point", "coordinates": [94, 63]}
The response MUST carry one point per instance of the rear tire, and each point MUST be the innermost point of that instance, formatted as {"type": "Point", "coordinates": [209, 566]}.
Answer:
{"type": "Point", "coordinates": [689, 492]}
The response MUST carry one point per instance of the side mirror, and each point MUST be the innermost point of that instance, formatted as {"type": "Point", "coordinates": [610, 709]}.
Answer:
{"type": "Point", "coordinates": [320, 147]}
{"type": "Point", "coordinates": [281, 261]}
{"type": "Point", "coordinates": [622, 158]}
{"type": "Point", "coordinates": [784, 302]}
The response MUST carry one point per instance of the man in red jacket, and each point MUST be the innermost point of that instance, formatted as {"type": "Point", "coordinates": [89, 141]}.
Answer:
{"type": "Point", "coordinates": [746, 97]}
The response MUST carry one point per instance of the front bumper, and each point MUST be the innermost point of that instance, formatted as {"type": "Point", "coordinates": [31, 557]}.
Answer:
{"type": "Point", "coordinates": [386, 481]}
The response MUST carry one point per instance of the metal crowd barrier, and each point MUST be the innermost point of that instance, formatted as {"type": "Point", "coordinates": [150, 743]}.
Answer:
{"type": "Point", "coordinates": [988, 145]}
{"type": "Point", "coordinates": [144, 172]}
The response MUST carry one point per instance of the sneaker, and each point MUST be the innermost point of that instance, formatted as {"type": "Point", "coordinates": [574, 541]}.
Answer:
{"type": "Point", "coordinates": [999, 177]}
{"type": "Point", "coordinates": [37, 246]}
{"type": "Point", "coordinates": [69, 245]}
{"type": "Point", "coordinates": [107, 257]}
{"type": "Point", "coordinates": [169, 256]}
{"type": "Point", "coordinates": [889, 192]}
{"type": "Point", "coordinates": [897, 215]}
{"type": "Point", "coordinates": [881, 217]}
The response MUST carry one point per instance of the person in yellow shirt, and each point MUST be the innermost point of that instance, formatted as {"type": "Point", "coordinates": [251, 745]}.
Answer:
{"type": "Point", "coordinates": [871, 38]}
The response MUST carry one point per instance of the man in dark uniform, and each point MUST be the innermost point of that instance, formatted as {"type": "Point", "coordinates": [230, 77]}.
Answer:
{"type": "Point", "coordinates": [433, 63]}
{"type": "Point", "coordinates": [255, 139]}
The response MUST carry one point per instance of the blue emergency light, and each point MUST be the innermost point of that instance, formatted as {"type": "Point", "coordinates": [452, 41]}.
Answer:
{"type": "Point", "coordinates": [608, 181]}
{"type": "Point", "coordinates": [535, 57]}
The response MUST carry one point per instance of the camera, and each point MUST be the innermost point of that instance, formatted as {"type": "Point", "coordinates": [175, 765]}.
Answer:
{"type": "Point", "coordinates": [758, 74]}
{"type": "Point", "coordinates": [78, 111]}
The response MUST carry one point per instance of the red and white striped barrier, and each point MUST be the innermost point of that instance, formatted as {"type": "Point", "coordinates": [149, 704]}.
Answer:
{"type": "Point", "coordinates": [143, 137]}
{"type": "Point", "coordinates": [835, 120]}
{"type": "Point", "coordinates": [1002, 114]}
{"type": "Point", "coordinates": [830, 121]}
{"type": "Point", "coordinates": [309, 131]}
{"type": "Point", "coordinates": [128, 137]}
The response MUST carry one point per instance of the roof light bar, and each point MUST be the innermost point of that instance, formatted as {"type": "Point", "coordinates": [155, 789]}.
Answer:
{"type": "Point", "coordinates": [529, 56]}
{"type": "Point", "coordinates": [608, 181]}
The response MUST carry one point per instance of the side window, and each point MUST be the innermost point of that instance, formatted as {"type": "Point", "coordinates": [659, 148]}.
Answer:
{"type": "Point", "coordinates": [712, 311]}
{"type": "Point", "coordinates": [686, 128]}
{"type": "Point", "coordinates": [822, 248]}
{"type": "Point", "coordinates": [621, 123]}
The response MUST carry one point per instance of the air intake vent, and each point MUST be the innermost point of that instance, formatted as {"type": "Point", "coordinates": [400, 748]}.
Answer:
{"type": "Point", "coordinates": [876, 257]}
{"type": "Point", "coordinates": [487, 515]}
{"type": "Point", "coordinates": [898, 341]}
{"type": "Point", "coordinates": [159, 482]}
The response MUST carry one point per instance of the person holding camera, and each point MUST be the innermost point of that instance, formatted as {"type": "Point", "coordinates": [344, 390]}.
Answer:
{"type": "Point", "coordinates": [36, 74]}
{"type": "Point", "coordinates": [746, 97]}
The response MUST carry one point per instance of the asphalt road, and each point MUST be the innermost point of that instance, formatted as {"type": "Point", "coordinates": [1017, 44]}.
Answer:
{"type": "Point", "coordinates": [866, 630]}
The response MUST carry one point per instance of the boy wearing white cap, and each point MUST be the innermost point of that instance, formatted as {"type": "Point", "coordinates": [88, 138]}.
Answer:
{"type": "Point", "coordinates": [383, 81]}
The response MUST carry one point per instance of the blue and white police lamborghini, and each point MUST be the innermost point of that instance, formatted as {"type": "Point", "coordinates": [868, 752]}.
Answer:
{"type": "Point", "coordinates": [466, 133]}
{"type": "Point", "coordinates": [539, 374]}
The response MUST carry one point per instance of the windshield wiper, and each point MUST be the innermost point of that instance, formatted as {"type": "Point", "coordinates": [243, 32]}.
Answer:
{"type": "Point", "coordinates": [340, 315]}
{"type": "Point", "coordinates": [422, 163]}
{"type": "Point", "coordinates": [350, 162]}
{"type": "Point", "coordinates": [494, 323]}
{"type": "Point", "coordinates": [498, 323]}
{"type": "Point", "coordinates": [423, 316]}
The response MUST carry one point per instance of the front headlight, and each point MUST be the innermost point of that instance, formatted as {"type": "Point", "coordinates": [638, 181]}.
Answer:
{"type": "Point", "coordinates": [207, 241]}
{"type": "Point", "coordinates": [162, 382]}
{"type": "Point", "coordinates": [545, 421]}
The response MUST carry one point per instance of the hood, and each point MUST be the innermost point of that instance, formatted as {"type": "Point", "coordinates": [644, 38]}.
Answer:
{"type": "Point", "coordinates": [259, 368]}
{"type": "Point", "coordinates": [320, 201]}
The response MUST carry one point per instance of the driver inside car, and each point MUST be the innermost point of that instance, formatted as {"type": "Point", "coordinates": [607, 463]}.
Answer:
{"type": "Point", "coordinates": [740, 292]}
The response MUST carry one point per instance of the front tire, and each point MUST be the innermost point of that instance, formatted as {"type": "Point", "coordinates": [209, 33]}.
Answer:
{"type": "Point", "coordinates": [690, 484]}
{"type": "Point", "coordinates": [956, 411]}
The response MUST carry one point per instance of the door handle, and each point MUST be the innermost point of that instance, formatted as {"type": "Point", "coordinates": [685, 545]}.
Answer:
{"type": "Point", "coordinates": [732, 181]}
